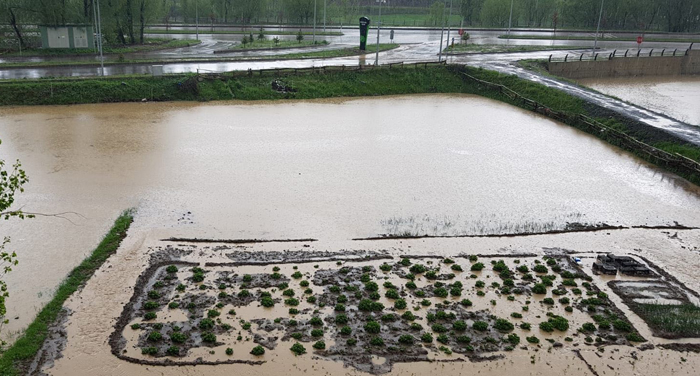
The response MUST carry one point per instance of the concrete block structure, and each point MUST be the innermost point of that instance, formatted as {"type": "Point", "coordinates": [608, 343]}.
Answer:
{"type": "Point", "coordinates": [68, 36]}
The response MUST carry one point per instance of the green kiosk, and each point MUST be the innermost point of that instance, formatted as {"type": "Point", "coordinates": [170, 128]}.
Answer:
{"type": "Point", "coordinates": [364, 30]}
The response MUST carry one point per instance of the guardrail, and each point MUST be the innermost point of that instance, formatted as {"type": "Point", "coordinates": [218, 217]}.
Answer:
{"type": "Point", "coordinates": [673, 160]}
{"type": "Point", "coordinates": [635, 53]}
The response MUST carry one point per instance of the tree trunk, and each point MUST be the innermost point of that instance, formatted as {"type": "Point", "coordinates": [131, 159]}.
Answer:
{"type": "Point", "coordinates": [13, 23]}
{"type": "Point", "coordinates": [130, 22]}
{"type": "Point", "coordinates": [143, 20]}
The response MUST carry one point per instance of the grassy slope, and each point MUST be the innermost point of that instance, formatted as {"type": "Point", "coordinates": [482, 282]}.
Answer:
{"type": "Point", "coordinates": [615, 39]}
{"type": "Point", "coordinates": [150, 45]}
{"type": "Point", "coordinates": [25, 348]}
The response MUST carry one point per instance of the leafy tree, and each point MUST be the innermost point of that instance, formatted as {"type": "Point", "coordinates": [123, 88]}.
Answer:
{"type": "Point", "coordinates": [437, 13]}
{"type": "Point", "coordinates": [300, 36]}
{"type": "Point", "coordinates": [12, 181]}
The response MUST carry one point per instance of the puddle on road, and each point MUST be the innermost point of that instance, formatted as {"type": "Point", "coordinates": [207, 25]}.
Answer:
{"type": "Point", "coordinates": [331, 170]}
{"type": "Point", "coordinates": [677, 97]}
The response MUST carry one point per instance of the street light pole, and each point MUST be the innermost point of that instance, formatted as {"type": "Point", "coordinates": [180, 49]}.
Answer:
{"type": "Point", "coordinates": [442, 34]}
{"type": "Point", "coordinates": [99, 38]}
{"type": "Point", "coordinates": [324, 15]}
{"type": "Point", "coordinates": [448, 25]}
{"type": "Point", "coordinates": [314, 37]}
{"type": "Point", "coordinates": [196, 16]}
{"type": "Point", "coordinates": [510, 20]}
{"type": "Point", "coordinates": [600, 17]}
{"type": "Point", "coordinates": [379, 28]}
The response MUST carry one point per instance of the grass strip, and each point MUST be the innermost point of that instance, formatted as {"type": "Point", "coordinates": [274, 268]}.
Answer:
{"type": "Point", "coordinates": [670, 321]}
{"type": "Point", "coordinates": [149, 45]}
{"type": "Point", "coordinates": [608, 39]}
{"type": "Point", "coordinates": [15, 360]}
{"type": "Point", "coordinates": [255, 32]}
{"type": "Point", "coordinates": [494, 48]}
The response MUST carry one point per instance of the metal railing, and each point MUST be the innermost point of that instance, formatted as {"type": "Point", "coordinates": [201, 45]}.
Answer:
{"type": "Point", "coordinates": [628, 53]}
{"type": "Point", "coordinates": [338, 68]}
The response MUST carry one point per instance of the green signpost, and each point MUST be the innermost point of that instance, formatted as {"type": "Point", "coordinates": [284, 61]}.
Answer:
{"type": "Point", "coordinates": [364, 30]}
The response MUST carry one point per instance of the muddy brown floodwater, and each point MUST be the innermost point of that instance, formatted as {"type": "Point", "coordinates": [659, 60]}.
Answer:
{"type": "Point", "coordinates": [677, 97]}
{"type": "Point", "coordinates": [331, 170]}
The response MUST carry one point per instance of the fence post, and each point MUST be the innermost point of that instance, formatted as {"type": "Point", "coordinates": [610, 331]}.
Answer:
{"type": "Point", "coordinates": [595, 58]}
{"type": "Point", "coordinates": [650, 52]}
{"type": "Point", "coordinates": [627, 52]}
{"type": "Point", "coordinates": [580, 58]}
{"type": "Point", "coordinates": [662, 52]}
{"type": "Point", "coordinates": [638, 52]}
{"type": "Point", "coordinates": [614, 52]}
{"type": "Point", "coordinates": [566, 57]}
{"type": "Point", "coordinates": [610, 57]}
{"type": "Point", "coordinates": [550, 58]}
{"type": "Point", "coordinates": [674, 52]}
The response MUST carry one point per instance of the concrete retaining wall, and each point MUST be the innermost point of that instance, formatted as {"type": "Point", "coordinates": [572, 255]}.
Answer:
{"type": "Point", "coordinates": [629, 66]}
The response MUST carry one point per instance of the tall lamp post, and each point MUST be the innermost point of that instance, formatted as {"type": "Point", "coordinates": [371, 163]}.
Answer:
{"type": "Point", "coordinates": [379, 28]}
{"type": "Point", "coordinates": [324, 15]}
{"type": "Point", "coordinates": [314, 37]}
{"type": "Point", "coordinates": [448, 25]}
{"type": "Point", "coordinates": [442, 34]}
{"type": "Point", "coordinates": [510, 21]}
{"type": "Point", "coordinates": [196, 17]}
{"type": "Point", "coordinates": [600, 17]}
{"type": "Point", "coordinates": [98, 24]}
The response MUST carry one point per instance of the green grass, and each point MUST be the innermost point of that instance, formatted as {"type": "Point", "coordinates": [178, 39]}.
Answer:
{"type": "Point", "coordinates": [368, 82]}
{"type": "Point", "coordinates": [350, 51]}
{"type": "Point", "coordinates": [149, 45]}
{"type": "Point", "coordinates": [614, 39]}
{"type": "Point", "coordinates": [399, 19]}
{"type": "Point", "coordinates": [692, 152]}
{"type": "Point", "coordinates": [491, 48]}
{"type": "Point", "coordinates": [253, 31]}
{"type": "Point", "coordinates": [22, 352]}
{"type": "Point", "coordinates": [270, 44]}
{"type": "Point", "coordinates": [671, 321]}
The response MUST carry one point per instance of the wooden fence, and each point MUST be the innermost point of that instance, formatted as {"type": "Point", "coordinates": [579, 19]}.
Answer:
{"type": "Point", "coordinates": [661, 157]}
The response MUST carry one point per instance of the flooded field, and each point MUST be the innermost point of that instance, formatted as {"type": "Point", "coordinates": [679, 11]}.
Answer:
{"type": "Point", "coordinates": [677, 97]}
{"type": "Point", "coordinates": [331, 170]}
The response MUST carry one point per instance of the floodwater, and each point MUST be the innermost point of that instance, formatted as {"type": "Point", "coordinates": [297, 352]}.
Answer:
{"type": "Point", "coordinates": [332, 170]}
{"type": "Point", "coordinates": [677, 97]}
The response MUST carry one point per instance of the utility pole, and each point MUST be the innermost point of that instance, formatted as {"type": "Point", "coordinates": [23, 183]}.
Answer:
{"type": "Point", "coordinates": [379, 28]}
{"type": "Point", "coordinates": [510, 20]}
{"type": "Point", "coordinates": [442, 34]}
{"type": "Point", "coordinates": [99, 38]}
{"type": "Point", "coordinates": [196, 17]}
{"type": "Point", "coordinates": [314, 37]}
{"type": "Point", "coordinates": [324, 15]}
{"type": "Point", "coordinates": [600, 17]}
{"type": "Point", "coordinates": [448, 25]}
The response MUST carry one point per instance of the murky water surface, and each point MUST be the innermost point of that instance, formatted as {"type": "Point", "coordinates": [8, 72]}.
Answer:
{"type": "Point", "coordinates": [332, 170]}
{"type": "Point", "coordinates": [677, 97]}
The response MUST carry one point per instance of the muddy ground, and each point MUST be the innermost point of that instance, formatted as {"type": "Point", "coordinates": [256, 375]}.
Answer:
{"type": "Point", "coordinates": [356, 307]}
{"type": "Point", "coordinates": [118, 292]}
